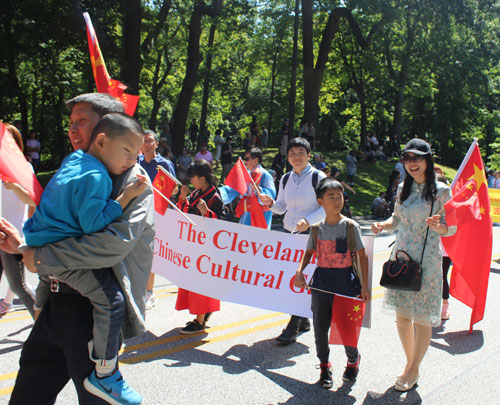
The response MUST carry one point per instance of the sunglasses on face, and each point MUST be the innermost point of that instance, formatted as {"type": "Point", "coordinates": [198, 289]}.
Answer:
{"type": "Point", "coordinates": [413, 159]}
{"type": "Point", "coordinates": [247, 159]}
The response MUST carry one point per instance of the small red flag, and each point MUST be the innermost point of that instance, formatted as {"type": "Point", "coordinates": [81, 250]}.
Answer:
{"type": "Point", "coordinates": [238, 178]}
{"type": "Point", "coordinates": [103, 81]}
{"type": "Point", "coordinates": [347, 319]}
{"type": "Point", "coordinates": [14, 167]}
{"type": "Point", "coordinates": [165, 185]}
{"type": "Point", "coordinates": [470, 247]}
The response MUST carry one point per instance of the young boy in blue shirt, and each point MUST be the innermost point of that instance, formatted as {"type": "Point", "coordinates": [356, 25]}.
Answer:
{"type": "Point", "coordinates": [334, 274]}
{"type": "Point", "coordinates": [76, 202]}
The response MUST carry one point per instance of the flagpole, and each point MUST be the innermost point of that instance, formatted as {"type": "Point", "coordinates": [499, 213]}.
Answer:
{"type": "Point", "coordinates": [253, 182]}
{"type": "Point", "coordinates": [464, 162]}
{"type": "Point", "coordinates": [171, 203]}
{"type": "Point", "coordinates": [167, 173]}
{"type": "Point", "coordinates": [329, 292]}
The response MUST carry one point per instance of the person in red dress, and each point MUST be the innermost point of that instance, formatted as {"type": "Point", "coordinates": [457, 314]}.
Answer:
{"type": "Point", "coordinates": [205, 201]}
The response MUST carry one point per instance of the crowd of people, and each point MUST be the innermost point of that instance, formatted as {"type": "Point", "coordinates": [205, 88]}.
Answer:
{"type": "Point", "coordinates": [95, 264]}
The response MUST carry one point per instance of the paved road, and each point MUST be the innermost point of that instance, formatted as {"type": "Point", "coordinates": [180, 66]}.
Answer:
{"type": "Point", "coordinates": [238, 360]}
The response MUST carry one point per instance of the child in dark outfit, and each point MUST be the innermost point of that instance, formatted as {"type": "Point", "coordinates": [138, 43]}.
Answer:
{"type": "Point", "coordinates": [334, 274]}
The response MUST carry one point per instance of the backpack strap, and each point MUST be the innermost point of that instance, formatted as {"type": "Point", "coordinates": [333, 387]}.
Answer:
{"type": "Point", "coordinates": [314, 178]}
{"type": "Point", "coordinates": [285, 179]}
{"type": "Point", "coordinates": [351, 243]}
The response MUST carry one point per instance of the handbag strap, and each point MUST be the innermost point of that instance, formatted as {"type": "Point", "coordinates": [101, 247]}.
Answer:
{"type": "Point", "coordinates": [425, 241]}
{"type": "Point", "coordinates": [426, 234]}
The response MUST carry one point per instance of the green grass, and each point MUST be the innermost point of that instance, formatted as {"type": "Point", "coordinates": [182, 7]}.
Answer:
{"type": "Point", "coordinates": [371, 178]}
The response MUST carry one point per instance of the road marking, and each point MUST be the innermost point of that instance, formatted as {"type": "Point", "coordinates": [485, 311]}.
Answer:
{"type": "Point", "coordinates": [192, 345]}
{"type": "Point", "coordinates": [6, 391]}
{"type": "Point", "coordinates": [15, 318]}
{"type": "Point", "coordinates": [8, 376]}
{"type": "Point", "coordinates": [212, 329]}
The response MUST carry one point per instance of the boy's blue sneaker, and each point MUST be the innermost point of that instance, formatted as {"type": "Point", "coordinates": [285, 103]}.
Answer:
{"type": "Point", "coordinates": [113, 389]}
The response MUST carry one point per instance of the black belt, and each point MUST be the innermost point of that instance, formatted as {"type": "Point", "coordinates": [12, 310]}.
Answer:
{"type": "Point", "coordinates": [57, 286]}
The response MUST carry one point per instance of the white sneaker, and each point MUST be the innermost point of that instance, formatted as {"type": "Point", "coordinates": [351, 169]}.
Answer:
{"type": "Point", "coordinates": [150, 300]}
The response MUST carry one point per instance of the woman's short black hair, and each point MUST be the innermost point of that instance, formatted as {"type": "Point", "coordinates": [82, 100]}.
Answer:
{"type": "Point", "coordinates": [298, 143]}
{"type": "Point", "coordinates": [328, 184]}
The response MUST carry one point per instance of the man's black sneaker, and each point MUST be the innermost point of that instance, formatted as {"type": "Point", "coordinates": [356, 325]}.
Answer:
{"type": "Point", "coordinates": [325, 377]}
{"type": "Point", "coordinates": [351, 371]}
{"type": "Point", "coordinates": [192, 327]}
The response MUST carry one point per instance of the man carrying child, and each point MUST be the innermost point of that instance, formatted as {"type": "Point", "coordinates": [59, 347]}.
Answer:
{"type": "Point", "coordinates": [57, 348]}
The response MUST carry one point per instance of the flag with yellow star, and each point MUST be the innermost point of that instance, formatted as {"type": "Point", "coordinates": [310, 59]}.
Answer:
{"type": "Point", "coordinates": [14, 167]}
{"type": "Point", "coordinates": [470, 247]}
{"type": "Point", "coordinates": [464, 205]}
{"type": "Point", "coordinates": [347, 319]}
{"type": "Point", "coordinates": [165, 184]}
{"type": "Point", "coordinates": [104, 83]}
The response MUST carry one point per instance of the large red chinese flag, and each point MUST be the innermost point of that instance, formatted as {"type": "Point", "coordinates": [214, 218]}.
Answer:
{"type": "Point", "coordinates": [14, 168]}
{"type": "Point", "coordinates": [470, 247]}
{"type": "Point", "coordinates": [163, 183]}
{"type": "Point", "coordinates": [347, 319]}
{"type": "Point", "coordinates": [238, 178]}
{"type": "Point", "coordinates": [464, 205]}
{"type": "Point", "coordinates": [103, 81]}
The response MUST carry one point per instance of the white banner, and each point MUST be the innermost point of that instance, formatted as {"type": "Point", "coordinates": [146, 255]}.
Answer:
{"type": "Point", "coordinates": [236, 263]}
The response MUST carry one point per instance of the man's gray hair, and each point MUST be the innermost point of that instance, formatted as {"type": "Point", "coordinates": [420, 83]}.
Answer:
{"type": "Point", "coordinates": [101, 103]}
{"type": "Point", "coordinates": [151, 132]}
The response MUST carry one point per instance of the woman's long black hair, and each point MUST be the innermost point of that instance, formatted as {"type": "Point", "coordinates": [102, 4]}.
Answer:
{"type": "Point", "coordinates": [201, 168]}
{"type": "Point", "coordinates": [430, 189]}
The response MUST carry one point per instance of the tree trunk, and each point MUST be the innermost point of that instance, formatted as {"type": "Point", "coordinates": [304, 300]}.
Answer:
{"type": "Point", "coordinates": [313, 75]}
{"type": "Point", "coordinates": [402, 79]}
{"type": "Point", "coordinates": [206, 84]}
{"type": "Point", "coordinates": [157, 85]}
{"type": "Point", "coordinates": [12, 75]}
{"type": "Point", "coordinates": [274, 73]}
{"type": "Point", "coordinates": [191, 78]}
{"type": "Point", "coordinates": [131, 41]}
{"type": "Point", "coordinates": [293, 79]}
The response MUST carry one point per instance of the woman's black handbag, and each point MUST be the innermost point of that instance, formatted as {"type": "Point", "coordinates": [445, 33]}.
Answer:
{"type": "Point", "coordinates": [404, 274]}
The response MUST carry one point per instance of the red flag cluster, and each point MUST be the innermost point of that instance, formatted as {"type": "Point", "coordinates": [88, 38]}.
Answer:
{"type": "Point", "coordinates": [14, 167]}
{"type": "Point", "coordinates": [347, 319]}
{"type": "Point", "coordinates": [103, 82]}
{"type": "Point", "coordinates": [238, 178]}
{"type": "Point", "coordinates": [470, 247]}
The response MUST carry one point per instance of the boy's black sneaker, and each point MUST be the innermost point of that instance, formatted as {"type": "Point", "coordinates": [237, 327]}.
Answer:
{"type": "Point", "coordinates": [351, 371]}
{"type": "Point", "coordinates": [325, 377]}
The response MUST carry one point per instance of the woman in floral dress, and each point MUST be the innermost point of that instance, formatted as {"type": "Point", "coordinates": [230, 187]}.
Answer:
{"type": "Point", "coordinates": [417, 311]}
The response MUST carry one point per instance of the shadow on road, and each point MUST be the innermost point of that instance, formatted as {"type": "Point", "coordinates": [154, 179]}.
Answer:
{"type": "Point", "coordinates": [264, 357]}
{"type": "Point", "coordinates": [458, 342]}
{"type": "Point", "coordinates": [391, 396]}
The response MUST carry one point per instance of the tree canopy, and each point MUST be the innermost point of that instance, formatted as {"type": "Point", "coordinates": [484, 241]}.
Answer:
{"type": "Point", "coordinates": [397, 68]}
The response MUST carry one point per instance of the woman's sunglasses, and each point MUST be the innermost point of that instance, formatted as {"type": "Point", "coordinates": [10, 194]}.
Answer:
{"type": "Point", "coordinates": [413, 159]}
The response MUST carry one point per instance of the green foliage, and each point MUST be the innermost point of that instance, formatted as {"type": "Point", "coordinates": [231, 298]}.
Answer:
{"type": "Point", "coordinates": [449, 47]}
